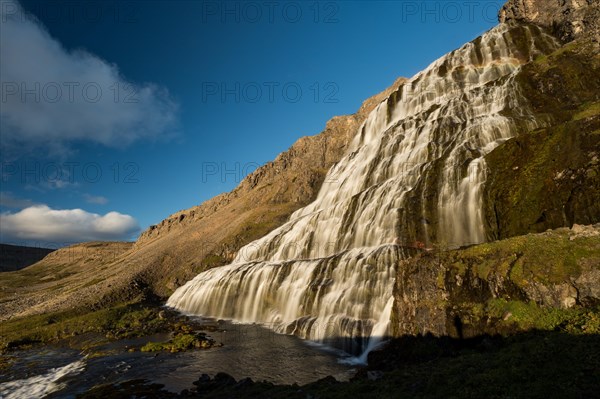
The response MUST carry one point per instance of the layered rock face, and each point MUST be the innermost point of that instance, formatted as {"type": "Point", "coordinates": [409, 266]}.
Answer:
{"type": "Point", "coordinates": [515, 284]}
{"type": "Point", "coordinates": [569, 19]}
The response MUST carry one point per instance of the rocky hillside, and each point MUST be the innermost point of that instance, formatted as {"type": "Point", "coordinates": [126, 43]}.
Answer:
{"type": "Point", "coordinates": [47, 285]}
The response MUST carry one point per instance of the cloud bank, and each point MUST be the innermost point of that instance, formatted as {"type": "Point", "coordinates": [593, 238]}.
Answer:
{"type": "Point", "coordinates": [53, 97]}
{"type": "Point", "coordinates": [41, 223]}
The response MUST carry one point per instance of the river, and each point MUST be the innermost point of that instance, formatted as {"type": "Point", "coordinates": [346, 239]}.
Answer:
{"type": "Point", "coordinates": [251, 351]}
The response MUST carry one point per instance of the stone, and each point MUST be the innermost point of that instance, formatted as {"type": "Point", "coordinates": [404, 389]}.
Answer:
{"type": "Point", "coordinates": [374, 375]}
{"type": "Point", "coordinates": [570, 19]}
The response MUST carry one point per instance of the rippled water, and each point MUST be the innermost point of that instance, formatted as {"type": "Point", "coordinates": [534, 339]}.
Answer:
{"type": "Point", "coordinates": [248, 351]}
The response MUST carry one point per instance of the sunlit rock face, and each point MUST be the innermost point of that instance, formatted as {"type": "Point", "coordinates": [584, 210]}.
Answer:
{"type": "Point", "coordinates": [569, 19]}
{"type": "Point", "coordinates": [412, 177]}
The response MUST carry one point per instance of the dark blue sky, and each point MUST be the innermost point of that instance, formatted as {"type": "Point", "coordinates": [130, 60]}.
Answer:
{"type": "Point", "coordinates": [233, 72]}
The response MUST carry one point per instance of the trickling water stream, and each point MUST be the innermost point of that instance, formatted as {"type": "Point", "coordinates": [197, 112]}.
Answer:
{"type": "Point", "coordinates": [414, 172]}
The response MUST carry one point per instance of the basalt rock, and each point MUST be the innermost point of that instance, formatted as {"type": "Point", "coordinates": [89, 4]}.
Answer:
{"type": "Point", "coordinates": [535, 281]}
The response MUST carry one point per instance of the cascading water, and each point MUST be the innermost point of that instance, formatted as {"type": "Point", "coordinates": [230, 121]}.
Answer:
{"type": "Point", "coordinates": [328, 273]}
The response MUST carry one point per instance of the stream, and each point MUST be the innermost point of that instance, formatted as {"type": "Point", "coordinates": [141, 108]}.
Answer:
{"type": "Point", "coordinates": [248, 350]}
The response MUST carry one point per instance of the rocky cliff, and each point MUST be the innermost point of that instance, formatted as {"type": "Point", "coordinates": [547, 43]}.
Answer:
{"type": "Point", "coordinates": [569, 19]}
{"type": "Point", "coordinates": [511, 285]}
{"type": "Point", "coordinates": [550, 176]}
{"type": "Point", "coordinates": [541, 179]}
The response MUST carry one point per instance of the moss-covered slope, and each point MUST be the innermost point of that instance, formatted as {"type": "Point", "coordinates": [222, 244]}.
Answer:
{"type": "Point", "coordinates": [537, 281]}
{"type": "Point", "coordinates": [550, 177]}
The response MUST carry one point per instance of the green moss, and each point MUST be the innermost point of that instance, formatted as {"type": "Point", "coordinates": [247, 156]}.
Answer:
{"type": "Point", "coordinates": [528, 316]}
{"type": "Point", "coordinates": [181, 342]}
{"type": "Point", "coordinates": [587, 111]}
{"type": "Point", "coordinates": [546, 258]}
{"type": "Point", "coordinates": [119, 321]}
{"type": "Point", "coordinates": [542, 179]}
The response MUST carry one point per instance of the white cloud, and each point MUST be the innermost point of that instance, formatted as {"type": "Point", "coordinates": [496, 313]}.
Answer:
{"type": "Point", "coordinates": [95, 199]}
{"type": "Point", "coordinates": [41, 223]}
{"type": "Point", "coordinates": [74, 95]}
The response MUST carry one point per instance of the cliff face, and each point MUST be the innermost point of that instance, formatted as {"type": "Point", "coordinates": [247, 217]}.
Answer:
{"type": "Point", "coordinates": [550, 177]}
{"type": "Point", "coordinates": [541, 179]}
{"type": "Point", "coordinates": [533, 281]}
{"type": "Point", "coordinates": [569, 19]}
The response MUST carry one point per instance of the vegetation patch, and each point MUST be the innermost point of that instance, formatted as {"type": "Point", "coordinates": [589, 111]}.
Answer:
{"type": "Point", "coordinates": [530, 316]}
{"type": "Point", "coordinates": [180, 342]}
{"type": "Point", "coordinates": [588, 111]}
{"type": "Point", "coordinates": [116, 322]}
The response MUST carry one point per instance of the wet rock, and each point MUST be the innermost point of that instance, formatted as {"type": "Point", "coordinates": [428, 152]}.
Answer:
{"type": "Point", "coordinates": [244, 383]}
{"type": "Point", "coordinates": [224, 379]}
{"type": "Point", "coordinates": [204, 378]}
{"type": "Point", "coordinates": [221, 380]}
{"type": "Point", "coordinates": [329, 380]}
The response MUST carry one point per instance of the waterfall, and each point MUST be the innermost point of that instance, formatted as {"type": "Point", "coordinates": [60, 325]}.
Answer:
{"type": "Point", "coordinates": [328, 274]}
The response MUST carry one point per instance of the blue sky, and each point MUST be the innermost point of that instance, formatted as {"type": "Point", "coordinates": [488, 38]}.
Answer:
{"type": "Point", "coordinates": [118, 114]}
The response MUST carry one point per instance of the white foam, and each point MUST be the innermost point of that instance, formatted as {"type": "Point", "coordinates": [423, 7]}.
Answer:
{"type": "Point", "coordinates": [42, 385]}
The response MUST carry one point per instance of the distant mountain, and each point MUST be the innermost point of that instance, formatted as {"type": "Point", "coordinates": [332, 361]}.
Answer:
{"type": "Point", "coordinates": [14, 257]}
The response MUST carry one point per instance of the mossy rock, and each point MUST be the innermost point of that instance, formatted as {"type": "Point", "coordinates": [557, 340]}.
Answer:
{"type": "Point", "coordinates": [549, 177]}
{"type": "Point", "coordinates": [181, 342]}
